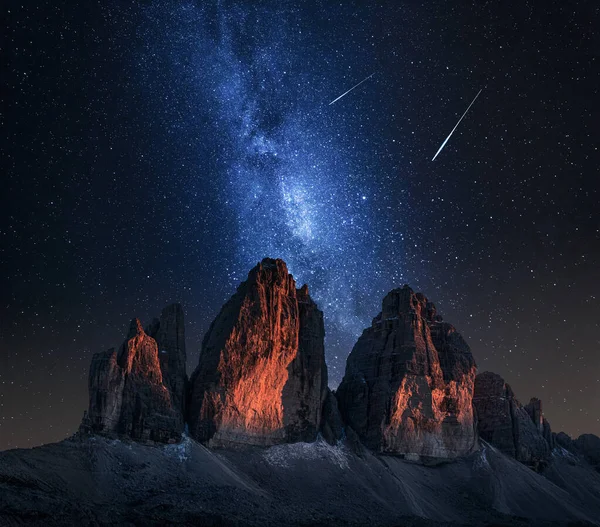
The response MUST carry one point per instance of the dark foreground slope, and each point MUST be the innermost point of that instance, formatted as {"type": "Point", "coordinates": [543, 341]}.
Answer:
{"type": "Point", "coordinates": [98, 481]}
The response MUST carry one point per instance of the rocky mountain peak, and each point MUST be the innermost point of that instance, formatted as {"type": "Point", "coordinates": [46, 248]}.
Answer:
{"type": "Point", "coordinates": [409, 381]}
{"type": "Point", "coordinates": [261, 378]}
{"type": "Point", "coordinates": [130, 391]}
{"type": "Point", "coordinates": [271, 271]}
{"type": "Point", "coordinates": [139, 354]}
{"type": "Point", "coordinates": [409, 387]}
{"type": "Point", "coordinates": [404, 301]}
{"type": "Point", "coordinates": [169, 333]}
{"type": "Point", "coordinates": [135, 328]}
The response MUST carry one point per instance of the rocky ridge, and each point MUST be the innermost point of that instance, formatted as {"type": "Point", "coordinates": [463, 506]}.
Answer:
{"type": "Point", "coordinates": [410, 387]}
{"type": "Point", "coordinates": [303, 455]}
{"type": "Point", "coordinates": [586, 446]}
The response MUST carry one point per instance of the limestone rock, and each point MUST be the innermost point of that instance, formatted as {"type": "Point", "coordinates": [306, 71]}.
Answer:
{"type": "Point", "coordinates": [332, 426]}
{"type": "Point", "coordinates": [306, 388]}
{"type": "Point", "coordinates": [518, 431]}
{"type": "Point", "coordinates": [169, 333]}
{"type": "Point", "coordinates": [261, 378]}
{"type": "Point", "coordinates": [105, 384]}
{"type": "Point", "coordinates": [492, 402]}
{"type": "Point", "coordinates": [409, 382]}
{"type": "Point", "coordinates": [534, 409]}
{"type": "Point", "coordinates": [129, 395]}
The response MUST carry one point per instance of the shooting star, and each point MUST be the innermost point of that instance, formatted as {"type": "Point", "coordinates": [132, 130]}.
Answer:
{"type": "Point", "coordinates": [355, 86]}
{"type": "Point", "coordinates": [450, 134]}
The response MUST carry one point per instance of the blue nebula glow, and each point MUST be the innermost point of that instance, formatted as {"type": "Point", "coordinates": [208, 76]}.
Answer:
{"type": "Point", "coordinates": [300, 178]}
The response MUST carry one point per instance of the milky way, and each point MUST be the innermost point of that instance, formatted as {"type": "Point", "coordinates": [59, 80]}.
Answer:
{"type": "Point", "coordinates": [156, 151]}
{"type": "Point", "coordinates": [289, 172]}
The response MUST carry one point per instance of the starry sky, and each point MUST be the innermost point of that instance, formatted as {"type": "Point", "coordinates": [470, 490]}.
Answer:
{"type": "Point", "coordinates": [154, 152]}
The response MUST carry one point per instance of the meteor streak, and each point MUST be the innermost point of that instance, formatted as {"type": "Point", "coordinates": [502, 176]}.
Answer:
{"type": "Point", "coordinates": [355, 86]}
{"type": "Point", "coordinates": [450, 134]}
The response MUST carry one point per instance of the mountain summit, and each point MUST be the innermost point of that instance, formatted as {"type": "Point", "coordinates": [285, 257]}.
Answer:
{"type": "Point", "coordinates": [408, 386]}
{"type": "Point", "coordinates": [262, 377]}
{"type": "Point", "coordinates": [255, 437]}
{"type": "Point", "coordinates": [133, 393]}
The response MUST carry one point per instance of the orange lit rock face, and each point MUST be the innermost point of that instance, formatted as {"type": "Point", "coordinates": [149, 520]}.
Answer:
{"type": "Point", "coordinates": [129, 395]}
{"type": "Point", "coordinates": [409, 382]}
{"type": "Point", "coordinates": [261, 378]}
{"type": "Point", "coordinates": [139, 358]}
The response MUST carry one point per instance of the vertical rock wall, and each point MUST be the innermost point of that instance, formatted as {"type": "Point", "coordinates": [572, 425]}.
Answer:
{"type": "Point", "coordinates": [517, 431]}
{"type": "Point", "coordinates": [409, 382]}
{"type": "Point", "coordinates": [130, 393]}
{"type": "Point", "coordinates": [261, 378]}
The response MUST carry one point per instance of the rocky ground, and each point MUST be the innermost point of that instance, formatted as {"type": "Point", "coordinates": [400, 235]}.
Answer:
{"type": "Point", "coordinates": [98, 481]}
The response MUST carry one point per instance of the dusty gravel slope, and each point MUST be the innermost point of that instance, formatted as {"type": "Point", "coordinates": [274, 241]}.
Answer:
{"type": "Point", "coordinates": [96, 481]}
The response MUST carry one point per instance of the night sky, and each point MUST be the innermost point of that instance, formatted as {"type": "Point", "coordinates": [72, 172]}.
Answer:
{"type": "Point", "coordinates": [154, 153]}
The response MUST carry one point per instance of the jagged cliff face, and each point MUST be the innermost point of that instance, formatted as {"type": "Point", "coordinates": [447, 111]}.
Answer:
{"type": "Point", "coordinates": [130, 393]}
{"type": "Point", "coordinates": [410, 386]}
{"type": "Point", "coordinates": [520, 432]}
{"type": "Point", "coordinates": [409, 382]}
{"type": "Point", "coordinates": [261, 378]}
{"type": "Point", "coordinates": [169, 333]}
{"type": "Point", "coordinates": [534, 410]}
